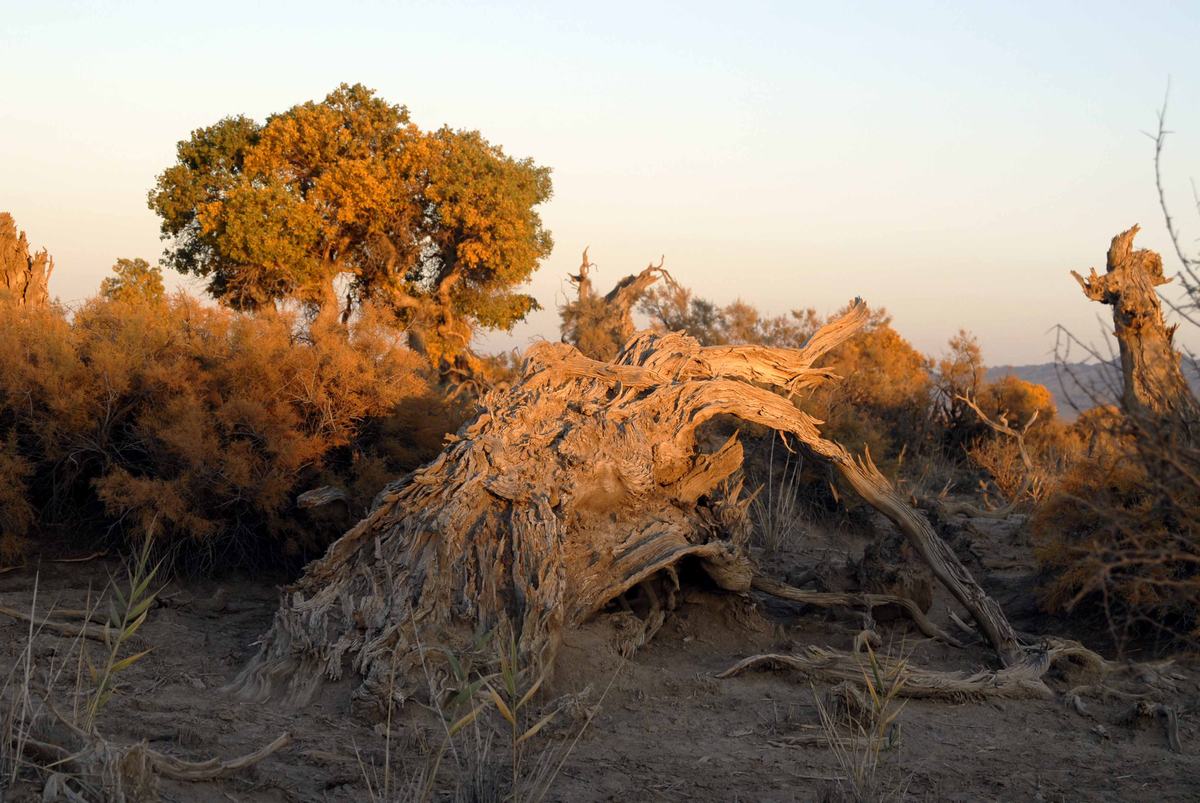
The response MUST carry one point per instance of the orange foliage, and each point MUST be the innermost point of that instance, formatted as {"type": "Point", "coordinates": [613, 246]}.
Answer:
{"type": "Point", "coordinates": [1120, 536]}
{"type": "Point", "coordinates": [196, 421]}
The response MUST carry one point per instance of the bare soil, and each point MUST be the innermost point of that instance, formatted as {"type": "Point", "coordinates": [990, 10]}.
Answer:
{"type": "Point", "coordinates": [666, 728]}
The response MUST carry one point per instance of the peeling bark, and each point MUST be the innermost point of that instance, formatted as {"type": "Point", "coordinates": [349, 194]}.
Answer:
{"type": "Point", "coordinates": [581, 481]}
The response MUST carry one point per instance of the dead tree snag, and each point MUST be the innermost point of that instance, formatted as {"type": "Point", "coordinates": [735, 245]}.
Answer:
{"type": "Point", "coordinates": [1153, 381]}
{"type": "Point", "coordinates": [600, 325]}
{"type": "Point", "coordinates": [24, 277]}
{"type": "Point", "coordinates": [578, 483]}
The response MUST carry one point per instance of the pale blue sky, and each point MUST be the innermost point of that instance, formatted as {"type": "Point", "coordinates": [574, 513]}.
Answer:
{"type": "Point", "coordinates": [948, 161]}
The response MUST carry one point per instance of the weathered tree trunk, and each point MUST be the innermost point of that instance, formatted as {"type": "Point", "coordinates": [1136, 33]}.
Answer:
{"type": "Point", "coordinates": [1153, 381]}
{"type": "Point", "coordinates": [600, 325]}
{"type": "Point", "coordinates": [582, 481]}
{"type": "Point", "coordinates": [24, 278]}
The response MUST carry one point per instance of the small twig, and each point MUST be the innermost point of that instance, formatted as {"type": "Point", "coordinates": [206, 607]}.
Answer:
{"type": "Point", "coordinates": [81, 558]}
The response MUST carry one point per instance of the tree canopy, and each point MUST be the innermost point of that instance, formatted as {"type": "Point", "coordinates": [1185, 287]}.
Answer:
{"type": "Point", "coordinates": [439, 226]}
{"type": "Point", "coordinates": [133, 280]}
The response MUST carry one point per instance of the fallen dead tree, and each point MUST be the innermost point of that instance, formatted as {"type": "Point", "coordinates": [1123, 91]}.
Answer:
{"type": "Point", "coordinates": [582, 481]}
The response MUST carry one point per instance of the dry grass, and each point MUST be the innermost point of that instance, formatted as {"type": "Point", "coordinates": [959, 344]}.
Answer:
{"type": "Point", "coordinates": [775, 509]}
{"type": "Point", "coordinates": [860, 726]}
{"type": "Point", "coordinates": [495, 743]}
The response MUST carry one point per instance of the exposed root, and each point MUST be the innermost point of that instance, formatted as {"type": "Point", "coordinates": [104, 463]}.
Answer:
{"type": "Point", "coordinates": [180, 770]}
{"type": "Point", "coordinates": [831, 599]}
{"type": "Point", "coordinates": [89, 631]}
{"type": "Point", "coordinates": [1026, 679]}
{"type": "Point", "coordinates": [1143, 710]}
{"type": "Point", "coordinates": [1021, 680]}
{"type": "Point", "coordinates": [71, 754]}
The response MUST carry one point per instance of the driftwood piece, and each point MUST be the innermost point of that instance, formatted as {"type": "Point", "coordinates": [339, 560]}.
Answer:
{"type": "Point", "coordinates": [581, 481]}
{"type": "Point", "coordinates": [1153, 380]}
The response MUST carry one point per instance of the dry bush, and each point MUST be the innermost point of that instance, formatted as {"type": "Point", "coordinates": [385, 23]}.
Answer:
{"type": "Point", "coordinates": [1120, 536]}
{"type": "Point", "coordinates": [960, 374]}
{"type": "Point", "coordinates": [1029, 466]}
{"type": "Point", "coordinates": [16, 514]}
{"type": "Point", "coordinates": [882, 401]}
{"type": "Point", "coordinates": [207, 421]}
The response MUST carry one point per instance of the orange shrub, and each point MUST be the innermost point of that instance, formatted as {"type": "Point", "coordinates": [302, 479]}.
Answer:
{"type": "Point", "coordinates": [197, 422]}
{"type": "Point", "coordinates": [1120, 536]}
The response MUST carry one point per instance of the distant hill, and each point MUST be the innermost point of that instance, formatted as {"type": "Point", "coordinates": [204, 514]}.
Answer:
{"type": "Point", "coordinates": [1079, 386]}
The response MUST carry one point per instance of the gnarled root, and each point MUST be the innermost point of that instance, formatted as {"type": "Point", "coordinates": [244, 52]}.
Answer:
{"type": "Point", "coordinates": [830, 599]}
{"type": "Point", "coordinates": [1020, 680]}
{"type": "Point", "coordinates": [73, 756]}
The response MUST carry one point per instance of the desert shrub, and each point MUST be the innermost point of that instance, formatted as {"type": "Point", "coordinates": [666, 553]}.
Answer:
{"type": "Point", "coordinates": [881, 403]}
{"type": "Point", "coordinates": [1120, 535]}
{"type": "Point", "coordinates": [16, 514]}
{"type": "Point", "coordinates": [201, 423]}
{"type": "Point", "coordinates": [960, 373]}
{"type": "Point", "coordinates": [1029, 462]}
{"type": "Point", "coordinates": [1018, 402]}
{"type": "Point", "coordinates": [673, 308]}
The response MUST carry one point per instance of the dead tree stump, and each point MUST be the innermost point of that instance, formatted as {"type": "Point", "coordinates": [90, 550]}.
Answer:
{"type": "Point", "coordinates": [24, 277]}
{"type": "Point", "coordinates": [1153, 384]}
{"type": "Point", "coordinates": [578, 483]}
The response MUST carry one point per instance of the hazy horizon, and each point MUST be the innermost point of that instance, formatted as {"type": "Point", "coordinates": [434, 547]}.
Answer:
{"type": "Point", "coordinates": [949, 164]}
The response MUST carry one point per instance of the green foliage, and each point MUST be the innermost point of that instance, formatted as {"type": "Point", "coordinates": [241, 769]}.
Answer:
{"type": "Point", "coordinates": [135, 281]}
{"type": "Point", "coordinates": [439, 227]}
{"type": "Point", "coordinates": [127, 613]}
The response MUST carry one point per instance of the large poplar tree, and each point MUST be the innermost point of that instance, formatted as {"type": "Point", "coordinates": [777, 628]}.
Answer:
{"type": "Point", "coordinates": [439, 226]}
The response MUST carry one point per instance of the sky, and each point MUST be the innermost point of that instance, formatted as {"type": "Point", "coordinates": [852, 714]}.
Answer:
{"type": "Point", "coordinates": [951, 162]}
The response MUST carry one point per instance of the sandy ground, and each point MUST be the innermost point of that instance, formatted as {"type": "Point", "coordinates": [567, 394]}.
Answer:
{"type": "Point", "coordinates": [666, 729]}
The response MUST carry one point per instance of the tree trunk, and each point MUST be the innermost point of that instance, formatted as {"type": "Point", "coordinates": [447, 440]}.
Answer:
{"type": "Point", "coordinates": [578, 483]}
{"type": "Point", "coordinates": [1153, 381]}
{"type": "Point", "coordinates": [24, 278]}
{"type": "Point", "coordinates": [600, 325]}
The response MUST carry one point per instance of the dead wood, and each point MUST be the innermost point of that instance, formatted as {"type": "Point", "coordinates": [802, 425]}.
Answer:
{"type": "Point", "coordinates": [1021, 680]}
{"type": "Point", "coordinates": [120, 772]}
{"type": "Point", "coordinates": [600, 325]}
{"type": "Point", "coordinates": [829, 599]}
{"type": "Point", "coordinates": [319, 497]}
{"type": "Point", "coordinates": [90, 631]}
{"type": "Point", "coordinates": [1153, 380]}
{"type": "Point", "coordinates": [581, 481]}
{"type": "Point", "coordinates": [24, 277]}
